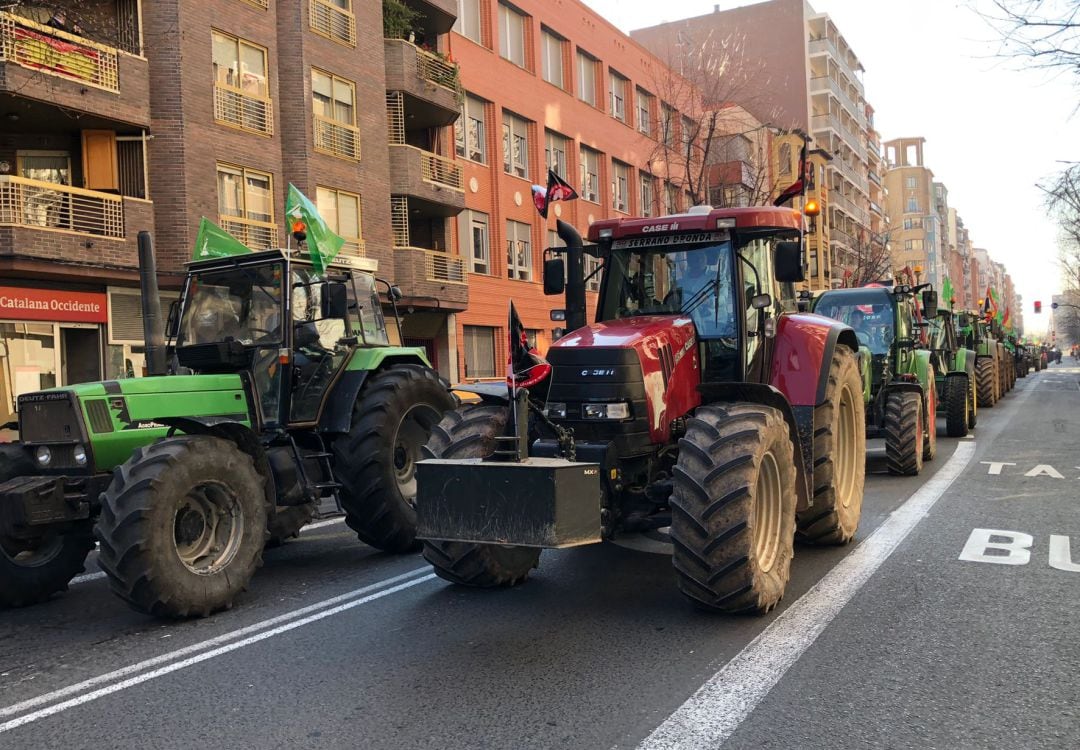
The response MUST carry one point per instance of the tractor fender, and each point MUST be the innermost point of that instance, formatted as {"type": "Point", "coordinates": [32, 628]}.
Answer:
{"type": "Point", "coordinates": [965, 360]}
{"type": "Point", "coordinates": [235, 432]}
{"type": "Point", "coordinates": [804, 346]}
{"type": "Point", "coordinates": [920, 367]}
{"type": "Point", "coordinates": [489, 393]}
{"type": "Point", "coordinates": [800, 421]}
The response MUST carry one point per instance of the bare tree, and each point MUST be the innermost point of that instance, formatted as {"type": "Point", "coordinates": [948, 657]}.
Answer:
{"type": "Point", "coordinates": [699, 85]}
{"type": "Point", "coordinates": [1044, 33]}
{"type": "Point", "coordinates": [867, 260]}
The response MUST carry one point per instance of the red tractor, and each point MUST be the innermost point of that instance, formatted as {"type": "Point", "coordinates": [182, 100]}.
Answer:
{"type": "Point", "coordinates": [699, 403]}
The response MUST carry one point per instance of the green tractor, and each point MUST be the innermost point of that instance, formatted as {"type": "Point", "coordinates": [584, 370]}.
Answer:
{"type": "Point", "coordinates": [989, 368]}
{"type": "Point", "coordinates": [287, 393]}
{"type": "Point", "coordinates": [954, 368]}
{"type": "Point", "coordinates": [898, 376]}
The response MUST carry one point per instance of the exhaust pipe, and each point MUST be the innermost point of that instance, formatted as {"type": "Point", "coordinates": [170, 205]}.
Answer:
{"type": "Point", "coordinates": [575, 275]}
{"type": "Point", "coordinates": [153, 327]}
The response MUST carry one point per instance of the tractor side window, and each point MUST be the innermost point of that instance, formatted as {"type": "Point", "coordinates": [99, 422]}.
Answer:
{"type": "Point", "coordinates": [372, 322]}
{"type": "Point", "coordinates": [318, 348]}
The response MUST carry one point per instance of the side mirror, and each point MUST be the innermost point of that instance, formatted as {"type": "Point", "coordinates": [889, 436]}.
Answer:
{"type": "Point", "coordinates": [172, 323]}
{"type": "Point", "coordinates": [929, 301]}
{"type": "Point", "coordinates": [964, 320]}
{"type": "Point", "coordinates": [554, 276]}
{"type": "Point", "coordinates": [761, 301]}
{"type": "Point", "coordinates": [788, 262]}
{"type": "Point", "coordinates": [334, 302]}
{"type": "Point", "coordinates": [395, 293]}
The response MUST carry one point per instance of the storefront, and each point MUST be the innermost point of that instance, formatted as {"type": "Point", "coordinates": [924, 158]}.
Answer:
{"type": "Point", "coordinates": [48, 337]}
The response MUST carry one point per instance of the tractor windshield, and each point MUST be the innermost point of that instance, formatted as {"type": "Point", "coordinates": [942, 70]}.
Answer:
{"type": "Point", "coordinates": [235, 304]}
{"type": "Point", "coordinates": [691, 280]}
{"type": "Point", "coordinates": [869, 313]}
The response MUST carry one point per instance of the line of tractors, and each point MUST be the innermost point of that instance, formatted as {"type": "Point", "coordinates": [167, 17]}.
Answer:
{"type": "Point", "coordinates": [705, 402]}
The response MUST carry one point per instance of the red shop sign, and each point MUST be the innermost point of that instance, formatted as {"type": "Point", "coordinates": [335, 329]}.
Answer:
{"type": "Point", "coordinates": [17, 303]}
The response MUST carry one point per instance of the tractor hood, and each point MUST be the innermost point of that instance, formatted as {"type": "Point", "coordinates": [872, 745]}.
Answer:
{"type": "Point", "coordinates": [631, 332]}
{"type": "Point", "coordinates": [157, 385]}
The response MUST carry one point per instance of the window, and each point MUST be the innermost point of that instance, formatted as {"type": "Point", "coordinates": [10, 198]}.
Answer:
{"type": "Point", "coordinates": [468, 20]}
{"type": "Point", "coordinates": [785, 159]}
{"type": "Point", "coordinates": [246, 205]}
{"type": "Point", "coordinates": [479, 351]}
{"type": "Point", "coordinates": [334, 106]}
{"type": "Point", "coordinates": [644, 112]}
{"type": "Point", "coordinates": [913, 245]}
{"type": "Point", "coordinates": [912, 205]}
{"type": "Point", "coordinates": [586, 77]}
{"type": "Point", "coordinates": [241, 91]}
{"type": "Point", "coordinates": [592, 265]}
{"type": "Point", "coordinates": [617, 93]}
{"type": "Point", "coordinates": [915, 223]}
{"type": "Point", "coordinates": [341, 212]}
{"type": "Point", "coordinates": [688, 134]}
{"type": "Point", "coordinates": [333, 19]}
{"type": "Point", "coordinates": [667, 124]}
{"type": "Point", "coordinates": [671, 198]}
{"type": "Point", "coordinates": [469, 135]}
{"type": "Point", "coordinates": [555, 152]}
{"type": "Point", "coordinates": [518, 251]}
{"type": "Point", "coordinates": [646, 194]}
{"type": "Point", "coordinates": [474, 241]}
{"type": "Point", "coordinates": [551, 58]}
{"type": "Point", "coordinates": [620, 193]}
{"type": "Point", "coordinates": [911, 183]}
{"type": "Point", "coordinates": [512, 35]}
{"type": "Point", "coordinates": [515, 145]}
{"type": "Point", "coordinates": [589, 163]}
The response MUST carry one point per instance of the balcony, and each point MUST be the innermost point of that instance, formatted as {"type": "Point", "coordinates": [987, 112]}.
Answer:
{"type": "Point", "coordinates": [832, 121]}
{"type": "Point", "coordinates": [46, 205]}
{"type": "Point", "coordinates": [429, 83]}
{"type": "Point", "coordinates": [436, 16]}
{"type": "Point", "coordinates": [849, 207]}
{"type": "Point", "coordinates": [421, 272]}
{"type": "Point", "coordinates": [435, 181]}
{"type": "Point", "coordinates": [336, 138]}
{"type": "Point", "coordinates": [829, 85]}
{"type": "Point", "coordinates": [258, 235]}
{"type": "Point", "coordinates": [237, 109]}
{"type": "Point", "coordinates": [332, 22]}
{"type": "Point", "coordinates": [826, 46]}
{"type": "Point", "coordinates": [49, 65]}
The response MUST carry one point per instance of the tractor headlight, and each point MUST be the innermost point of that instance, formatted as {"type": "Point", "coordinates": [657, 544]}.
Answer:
{"type": "Point", "coordinates": [43, 455]}
{"type": "Point", "coordinates": [79, 454]}
{"type": "Point", "coordinates": [555, 410]}
{"type": "Point", "coordinates": [620, 410]}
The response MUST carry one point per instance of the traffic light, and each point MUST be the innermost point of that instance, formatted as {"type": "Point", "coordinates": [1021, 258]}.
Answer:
{"type": "Point", "coordinates": [1038, 307]}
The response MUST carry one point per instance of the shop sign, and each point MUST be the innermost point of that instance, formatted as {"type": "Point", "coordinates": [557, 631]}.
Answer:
{"type": "Point", "coordinates": [17, 303]}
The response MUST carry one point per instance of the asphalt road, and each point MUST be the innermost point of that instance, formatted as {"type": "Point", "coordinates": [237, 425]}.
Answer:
{"type": "Point", "coordinates": [891, 642]}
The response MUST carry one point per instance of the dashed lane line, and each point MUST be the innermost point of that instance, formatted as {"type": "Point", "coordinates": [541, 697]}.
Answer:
{"type": "Point", "coordinates": [149, 669]}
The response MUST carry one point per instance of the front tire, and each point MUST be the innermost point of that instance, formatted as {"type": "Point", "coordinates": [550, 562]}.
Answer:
{"type": "Point", "coordinates": [375, 462]}
{"type": "Point", "coordinates": [32, 570]}
{"type": "Point", "coordinates": [985, 379]}
{"type": "Point", "coordinates": [905, 433]}
{"type": "Point", "coordinates": [182, 526]}
{"type": "Point", "coordinates": [957, 405]}
{"type": "Point", "coordinates": [930, 413]}
{"type": "Point", "coordinates": [839, 457]}
{"type": "Point", "coordinates": [733, 508]}
{"type": "Point", "coordinates": [470, 432]}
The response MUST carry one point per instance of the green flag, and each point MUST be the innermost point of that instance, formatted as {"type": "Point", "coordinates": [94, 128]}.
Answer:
{"type": "Point", "coordinates": [322, 243]}
{"type": "Point", "coordinates": [947, 293]}
{"type": "Point", "coordinates": [214, 242]}
{"type": "Point", "coordinates": [997, 305]}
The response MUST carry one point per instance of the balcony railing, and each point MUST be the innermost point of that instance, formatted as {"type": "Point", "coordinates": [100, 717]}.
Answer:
{"type": "Point", "coordinates": [55, 52]}
{"type": "Point", "coordinates": [444, 267]}
{"type": "Point", "coordinates": [433, 68]}
{"type": "Point", "coordinates": [441, 171]}
{"type": "Point", "coordinates": [258, 235]}
{"type": "Point", "coordinates": [46, 205]}
{"type": "Point", "coordinates": [828, 83]}
{"type": "Point", "coordinates": [332, 22]}
{"type": "Point", "coordinates": [354, 247]}
{"type": "Point", "coordinates": [240, 110]}
{"type": "Point", "coordinates": [336, 138]}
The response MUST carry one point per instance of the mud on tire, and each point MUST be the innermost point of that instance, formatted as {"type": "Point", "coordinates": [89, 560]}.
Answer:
{"type": "Point", "coordinates": [957, 405]}
{"type": "Point", "coordinates": [905, 432]}
{"type": "Point", "coordinates": [287, 521]}
{"type": "Point", "coordinates": [733, 508]}
{"type": "Point", "coordinates": [839, 457]}
{"type": "Point", "coordinates": [375, 462]}
{"type": "Point", "coordinates": [470, 432]}
{"type": "Point", "coordinates": [182, 526]}
{"type": "Point", "coordinates": [985, 382]}
{"type": "Point", "coordinates": [32, 570]}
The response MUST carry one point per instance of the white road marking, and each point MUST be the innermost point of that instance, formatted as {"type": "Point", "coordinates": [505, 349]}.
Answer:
{"type": "Point", "coordinates": [1060, 557]}
{"type": "Point", "coordinates": [1016, 546]}
{"type": "Point", "coordinates": [321, 524]}
{"type": "Point", "coordinates": [716, 710]}
{"type": "Point", "coordinates": [995, 466]}
{"type": "Point", "coordinates": [241, 637]}
{"type": "Point", "coordinates": [84, 578]}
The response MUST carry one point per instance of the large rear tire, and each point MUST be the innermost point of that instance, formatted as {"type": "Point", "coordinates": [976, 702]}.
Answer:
{"type": "Point", "coordinates": [930, 415]}
{"type": "Point", "coordinates": [973, 400]}
{"type": "Point", "coordinates": [733, 508]}
{"type": "Point", "coordinates": [985, 379]}
{"type": "Point", "coordinates": [375, 462]}
{"type": "Point", "coordinates": [905, 433]}
{"type": "Point", "coordinates": [470, 432]}
{"type": "Point", "coordinates": [287, 521]}
{"type": "Point", "coordinates": [957, 405]}
{"type": "Point", "coordinates": [32, 570]}
{"type": "Point", "coordinates": [839, 457]}
{"type": "Point", "coordinates": [182, 526]}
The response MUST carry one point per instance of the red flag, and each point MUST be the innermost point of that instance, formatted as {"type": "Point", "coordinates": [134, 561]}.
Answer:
{"type": "Point", "coordinates": [558, 189]}
{"type": "Point", "coordinates": [524, 365]}
{"type": "Point", "coordinates": [796, 188]}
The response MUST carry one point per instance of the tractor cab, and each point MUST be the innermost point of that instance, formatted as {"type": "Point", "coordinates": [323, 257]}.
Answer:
{"type": "Point", "coordinates": [882, 321]}
{"type": "Point", "coordinates": [276, 317]}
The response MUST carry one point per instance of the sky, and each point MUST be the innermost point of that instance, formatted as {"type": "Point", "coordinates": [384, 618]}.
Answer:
{"type": "Point", "coordinates": [993, 129]}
